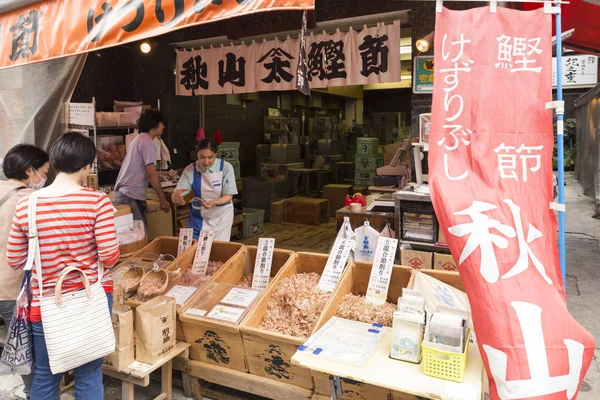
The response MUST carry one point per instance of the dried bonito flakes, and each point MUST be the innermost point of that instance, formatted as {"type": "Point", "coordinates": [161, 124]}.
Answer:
{"type": "Point", "coordinates": [295, 305]}
{"type": "Point", "coordinates": [357, 308]}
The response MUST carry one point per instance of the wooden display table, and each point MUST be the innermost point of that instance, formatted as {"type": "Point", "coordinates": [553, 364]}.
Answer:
{"type": "Point", "coordinates": [131, 377]}
{"type": "Point", "coordinates": [404, 379]}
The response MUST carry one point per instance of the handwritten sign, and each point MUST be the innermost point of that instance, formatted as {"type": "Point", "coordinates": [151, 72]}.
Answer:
{"type": "Point", "coordinates": [205, 242]}
{"type": "Point", "coordinates": [381, 272]}
{"type": "Point", "coordinates": [81, 114]}
{"type": "Point", "coordinates": [181, 293]}
{"type": "Point", "coordinates": [335, 264]}
{"type": "Point", "coordinates": [186, 236]}
{"type": "Point", "coordinates": [263, 262]}
{"type": "Point", "coordinates": [240, 297]}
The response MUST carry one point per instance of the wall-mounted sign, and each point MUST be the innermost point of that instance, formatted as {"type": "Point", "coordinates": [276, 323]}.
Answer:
{"type": "Point", "coordinates": [423, 74]}
{"type": "Point", "coordinates": [577, 71]}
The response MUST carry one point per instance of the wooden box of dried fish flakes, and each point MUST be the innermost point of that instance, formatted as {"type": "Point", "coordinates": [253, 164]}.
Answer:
{"type": "Point", "coordinates": [283, 318]}
{"type": "Point", "coordinates": [217, 340]}
{"type": "Point", "coordinates": [349, 302]}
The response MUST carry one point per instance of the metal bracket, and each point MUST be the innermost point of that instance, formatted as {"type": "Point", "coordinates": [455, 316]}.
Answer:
{"type": "Point", "coordinates": [557, 206]}
{"type": "Point", "coordinates": [550, 9]}
{"type": "Point", "coordinates": [493, 6]}
{"type": "Point", "coordinates": [336, 387]}
{"type": "Point", "coordinates": [438, 6]}
{"type": "Point", "coordinates": [559, 105]}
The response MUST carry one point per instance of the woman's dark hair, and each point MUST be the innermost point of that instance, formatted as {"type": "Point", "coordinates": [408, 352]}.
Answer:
{"type": "Point", "coordinates": [71, 152]}
{"type": "Point", "coordinates": [149, 120]}
{"type": "Point", "coordinates": [22, 157]}
{"type": "Point", "coordinates": [207, 144]}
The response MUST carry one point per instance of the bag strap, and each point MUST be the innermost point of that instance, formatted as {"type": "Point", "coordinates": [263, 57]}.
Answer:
{"type": "Point", "coordinates": [33, 254]}
{"type": "Point", "coordinates": [10, 194]}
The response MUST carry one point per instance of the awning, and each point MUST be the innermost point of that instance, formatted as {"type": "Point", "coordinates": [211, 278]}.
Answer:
{"type": "Point", "coordinates": [50, 29]}
{"type": "Point", "coordinates": [584, 17]}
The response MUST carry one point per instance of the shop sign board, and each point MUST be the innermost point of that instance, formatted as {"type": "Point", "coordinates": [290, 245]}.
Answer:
{"type": "Point", "coordinates": [423, 74]}
{"type": "Point", "coordinates": [340, 59]}
{"type": "Point", "coordinates": [262, 263]}
{"type": "Point", "coordinates": [577, 71]}
{"type": "Point", "coordinates": [490, 163]}
{"type": "Point", "coordinates": [51, 29]}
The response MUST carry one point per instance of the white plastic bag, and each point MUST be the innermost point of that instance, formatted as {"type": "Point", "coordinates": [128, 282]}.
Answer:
{"type": "Point", "coordinates": [366, 243]}
{"type": "Point", "coordinates": [346, 232]}
{"type": "Point", "coordinates": [387, 231]}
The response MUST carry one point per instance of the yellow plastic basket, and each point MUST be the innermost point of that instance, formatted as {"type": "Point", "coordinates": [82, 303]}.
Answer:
{"type": "Point", "coordinates": [445, 364]}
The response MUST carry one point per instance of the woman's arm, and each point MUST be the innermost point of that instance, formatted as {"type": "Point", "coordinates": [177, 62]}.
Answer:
{"type": "Point", "coordinates": [18, 242]}
{"type": "Point", "coordinates": [105, 232]}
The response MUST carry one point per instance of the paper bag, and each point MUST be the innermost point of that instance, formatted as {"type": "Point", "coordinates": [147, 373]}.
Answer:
{"type": "Point", "coordinates": [121, 358]}
{"type": "Point", "coordinates": [155, 329]}
{"type": "Point", "coordinates": [122, 319]}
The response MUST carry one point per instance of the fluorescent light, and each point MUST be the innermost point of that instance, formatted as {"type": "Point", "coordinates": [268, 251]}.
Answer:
{"type": "Point", "coordinates": [405, 49]}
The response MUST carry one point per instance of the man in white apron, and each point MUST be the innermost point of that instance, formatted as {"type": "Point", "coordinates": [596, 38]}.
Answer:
{"type": "Point", "coordinates": [212, 181]}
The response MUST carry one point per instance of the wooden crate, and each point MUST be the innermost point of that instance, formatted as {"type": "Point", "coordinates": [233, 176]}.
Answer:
{"type": "Point", "coordinates": [308, 211]}
{"type": "Point", "coordinates": [356, 281]}
{"type": "Point", "coordinates": [220, 343]}
{"type": "Point", "coordinates": [226, 252]}
{"type": "Point", "coordinates": [277, 212]}
{"type": "Point", "coordinates": [269, 354]}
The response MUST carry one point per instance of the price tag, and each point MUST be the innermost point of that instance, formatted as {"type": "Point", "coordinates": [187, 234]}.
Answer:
{"type": "Point", "coordinates": [181, 293]}
{"type": "Point", "coordinates": [335, 264]}
{"type": "Point", "coordinates": [263, 262]}
{"type": "Point", "coordinates": [186, 236]}
{"type": "Point", "coordinates": [240, 297]}
{"type": "Point", "coordinates": [381, 272]}
{"type": "Point", "coordinates": [224, 313]}
{"type": "Point", "coordinates": [140, 366]}
{"type": "Point", "coordinates": [205, 242]}
{"type": "Point", "coordinates": [196, 311]}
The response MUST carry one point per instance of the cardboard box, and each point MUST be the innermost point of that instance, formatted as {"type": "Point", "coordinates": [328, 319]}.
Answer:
{"type": "Point", "coordinates": [277, 212]}
{"type": "Point", "coordinates": [441, 238]}
{"type": "Point", "coordinates": [416, 259]}
{"type": "Point", "coordinates": [121, 358]}
{"type": "Point", "coordinates": [336, 194]}
{"type": "Point", "coordinates": [444, 262]}
{"type": "Point", "coordinates": [308, 211]}
{"type": "Point", "coordinates": [160, 223]}
{"type": "Point", "coordinates": [155, 323]}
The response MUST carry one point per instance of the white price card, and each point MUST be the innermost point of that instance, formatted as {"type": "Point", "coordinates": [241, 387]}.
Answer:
{"type": "Point", "coordinates": [240, 297]}
{"type": "Point", "coordinates": [205, 241]}
{"type": "Point", "coordinates": [196, 312]}
{"type": "Point", "coordinates": [82, 114]}
{"type": "Point", "coordinates": [186, 236]}
{"type": "Point", "coordinates": [225, 313]}
{"type": "Point", "coordinates": [181, 293]}
{"type": "Point", "coordinates": [335, 264]}
{"type": "Point", "coordinates": [381, 271]}
{"type": "Point", "coordinates": [263, 262]}
{"type": "Point", "coordinates": [140, 366]}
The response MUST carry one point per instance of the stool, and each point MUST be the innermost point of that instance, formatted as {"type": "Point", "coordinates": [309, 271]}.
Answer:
{"type": "Point", "coordinates": [302, 176]}
{"type": "Point", "coordinates": [343, 168]}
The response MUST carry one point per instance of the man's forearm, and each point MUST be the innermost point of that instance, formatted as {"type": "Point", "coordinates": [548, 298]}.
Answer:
{"type": "Point", "coordinates": [155, 182]}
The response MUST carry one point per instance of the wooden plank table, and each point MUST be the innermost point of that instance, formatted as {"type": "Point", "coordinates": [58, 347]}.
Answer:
{"type": "Point", "coordinates": [130, 377]}
{"type": "Point", "coordinates": [401, 377]}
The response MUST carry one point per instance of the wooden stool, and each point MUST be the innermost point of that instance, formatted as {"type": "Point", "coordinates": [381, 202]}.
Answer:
{"type": "Point", "coordinates": [302, 175]}
{"type": "Point", "coordinates": [130, 377]}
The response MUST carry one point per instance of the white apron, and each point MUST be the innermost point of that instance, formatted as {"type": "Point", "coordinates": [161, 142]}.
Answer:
{"type": "Point", "coordinates": [209, 186]}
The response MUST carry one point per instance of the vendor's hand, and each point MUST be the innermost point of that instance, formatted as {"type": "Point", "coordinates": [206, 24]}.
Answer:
{"type": "Point", "coordinates": [178, 197]}
{"type": "Point", "coordinates": [165, 206]}
{"type": "Point", "coordinates": [207, 203]}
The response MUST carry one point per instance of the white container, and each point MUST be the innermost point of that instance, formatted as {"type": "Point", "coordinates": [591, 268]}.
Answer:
{"type": "Point", "coordinates": [407, 336]}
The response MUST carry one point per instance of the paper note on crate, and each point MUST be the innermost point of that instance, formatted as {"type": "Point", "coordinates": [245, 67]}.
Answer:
{"type": "Point", "coordinates": [225, 313]}
{"type": "Point", "coordinates": [335, 264]}
{"type": "Point", "coordinates": [343, 340]}
{"type": "Point", "coordinates": [186, 236]}
{"type": "Point", "coordinates": [381, 271]}
{"type": "Point", "coordinates": [140, 366]}
{"type": "Point", "coordinates": [205, 241]}
{"type": "Point", "coordinates": [181, 293]}
{"type": "Point", "coordinates": [240, 297]}
{"type": "Point", "coordinates": [263, 262]}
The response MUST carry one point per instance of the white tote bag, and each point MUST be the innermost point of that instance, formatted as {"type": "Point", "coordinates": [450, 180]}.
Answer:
{"type": "Point", "coordinates": [77, 326]}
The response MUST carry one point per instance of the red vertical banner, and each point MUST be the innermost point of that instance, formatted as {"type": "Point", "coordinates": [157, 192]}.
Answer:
{"type": "Point", "coordinates": [491, 184]}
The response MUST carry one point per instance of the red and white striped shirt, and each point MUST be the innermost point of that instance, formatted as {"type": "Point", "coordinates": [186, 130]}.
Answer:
{"type": "Point", "coordinates": [73, 230]}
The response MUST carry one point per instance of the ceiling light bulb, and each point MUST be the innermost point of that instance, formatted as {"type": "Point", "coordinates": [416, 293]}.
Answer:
{"type": "Point", "coordinates": [422, 45]}
{"type": "Point", "coordinates": [145, 47]}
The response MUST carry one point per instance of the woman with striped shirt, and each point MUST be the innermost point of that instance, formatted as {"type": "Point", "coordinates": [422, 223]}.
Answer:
{"type": "Point", "coordinates": [75, 227]}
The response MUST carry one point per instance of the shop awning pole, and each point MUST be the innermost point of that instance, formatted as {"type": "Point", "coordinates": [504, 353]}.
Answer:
{"type": "Point", "coordinates": [560, 150]}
